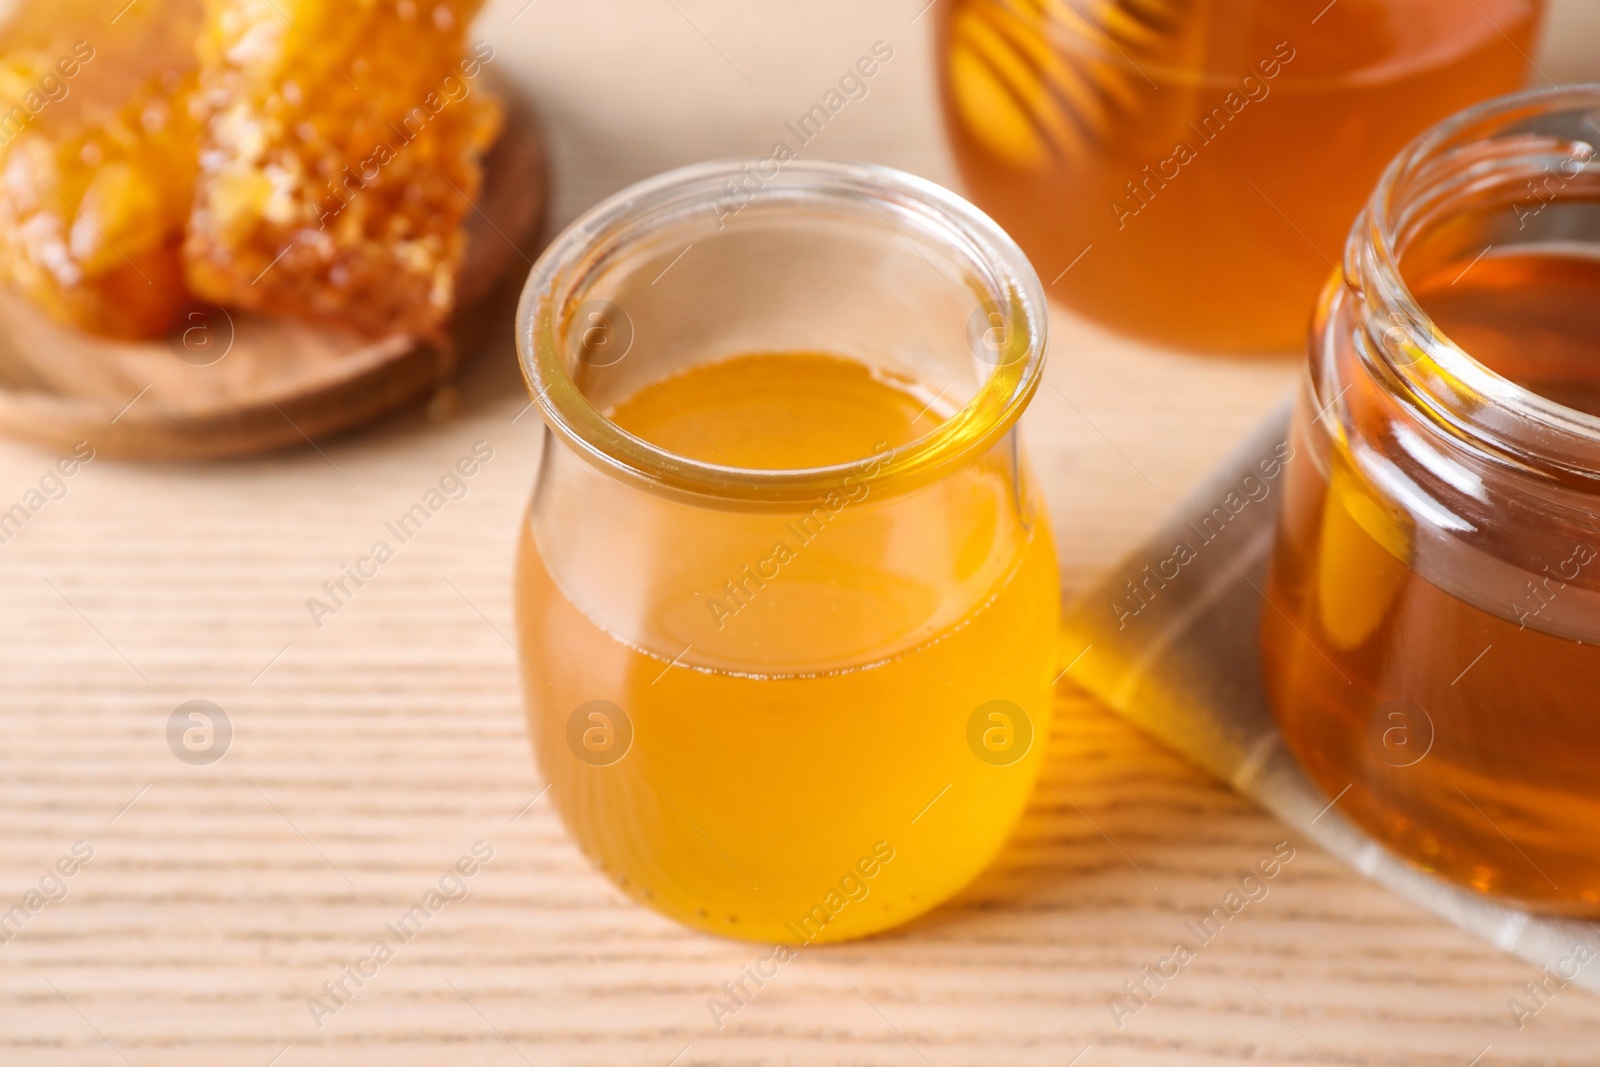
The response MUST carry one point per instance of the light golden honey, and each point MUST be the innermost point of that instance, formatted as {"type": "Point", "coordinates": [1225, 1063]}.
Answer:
{"type": "Point", "coordinates": [799, 803]}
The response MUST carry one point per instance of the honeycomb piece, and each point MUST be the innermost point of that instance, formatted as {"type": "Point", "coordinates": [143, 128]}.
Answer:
{"type": "Point", "coordinates": [97, 150]}
{"type": "Point", "coordinates": [339, 158]}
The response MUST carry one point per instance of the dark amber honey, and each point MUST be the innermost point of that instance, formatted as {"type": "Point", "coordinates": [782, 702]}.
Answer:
{"type": "Point", "coordinates": [1460, 726]}
{"type": "Point", "coordinates": [1186, 170]}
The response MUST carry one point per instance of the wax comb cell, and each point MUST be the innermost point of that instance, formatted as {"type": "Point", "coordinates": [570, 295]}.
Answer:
{"type": "Point", "coordinates": [340, 156]}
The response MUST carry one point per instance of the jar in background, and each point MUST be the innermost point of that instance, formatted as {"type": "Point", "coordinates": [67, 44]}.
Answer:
{"type": "Point", "coordinates": [1186, 170]}
{"type": "Point", "coordinates": [1432, 635]}
{"type": "Point", "coordinates": [786, 592]}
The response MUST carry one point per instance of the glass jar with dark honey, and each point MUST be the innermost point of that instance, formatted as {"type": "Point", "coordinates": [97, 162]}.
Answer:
{"type": "Point", "coordinates": [1432, 634]}
{"type": "Point", "coordinates": [1185, 170]}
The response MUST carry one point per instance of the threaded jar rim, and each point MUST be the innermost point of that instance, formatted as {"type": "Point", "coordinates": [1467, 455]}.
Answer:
{"type": "Point", "coordinates": [1482, 152]}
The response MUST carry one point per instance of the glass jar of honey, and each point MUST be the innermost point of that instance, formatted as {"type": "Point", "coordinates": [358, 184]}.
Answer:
{"type": "Point", "coordinates": [786, 591]}
{"type": "Point", "coordinates": [1431, 637]}
{"type": "Point", "coordinates": [1186, 170]}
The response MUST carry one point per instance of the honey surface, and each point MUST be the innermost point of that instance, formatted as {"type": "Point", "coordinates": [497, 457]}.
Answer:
{"type": "Point", "coordinates": [1208, 169]}
{"type": "Point", "coordinates": [1532, 318]}
{"type": "Point", "coordinates": [765, 778]}
{"type": "Point", "coordinates": [1462, 732]}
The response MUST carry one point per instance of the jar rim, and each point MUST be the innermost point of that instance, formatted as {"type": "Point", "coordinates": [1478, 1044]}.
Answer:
{"type": "Point", "coordinates": [1440, 375]}
{"type": "Point", "coordinates": [553, 289]}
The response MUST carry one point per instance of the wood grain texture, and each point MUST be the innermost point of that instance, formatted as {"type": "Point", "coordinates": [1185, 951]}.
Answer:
{"type": "Point", "coordinates": [372, 751]}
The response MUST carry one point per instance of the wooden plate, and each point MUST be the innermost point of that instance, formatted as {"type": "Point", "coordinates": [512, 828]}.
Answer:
{"type": "Point", "coordinates": [276, 382]}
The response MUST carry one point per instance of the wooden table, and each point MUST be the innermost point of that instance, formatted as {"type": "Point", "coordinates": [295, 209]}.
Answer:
{"type": "Point", "coordinates": [373, 751]}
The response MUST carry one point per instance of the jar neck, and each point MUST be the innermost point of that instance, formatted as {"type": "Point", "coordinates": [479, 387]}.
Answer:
{"type": "Point", "coordinates": [1538, 145]}
{"type": "Point", "coordinates": [762, 233]}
